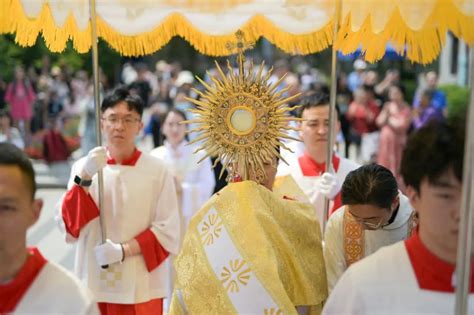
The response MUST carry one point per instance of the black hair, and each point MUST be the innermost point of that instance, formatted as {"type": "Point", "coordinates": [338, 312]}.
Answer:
{"type": "Point", "coordinates": [11, 155]}
{"type": "Point", "coordinates": [5, 113]}
{"type": "Point", "coordinates": [368, 88]}
{"type": "Point", "coordinates": [122, 94]}
{"type": "Point", "coordinates": [313, 99]}
{"type": "Point", "coordinates": [370, 184]}
{"type": "Point", "coordinates": [176, 111]}
{"type": "Point", "coordinates": [431, 151]}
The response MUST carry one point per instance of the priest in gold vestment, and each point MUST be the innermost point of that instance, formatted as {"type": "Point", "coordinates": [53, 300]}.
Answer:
{"type": "Point", "coordinates": [248, 250]}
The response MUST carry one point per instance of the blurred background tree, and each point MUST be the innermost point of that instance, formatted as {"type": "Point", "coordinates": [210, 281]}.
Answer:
{"type": "Point", "coordinates": [181, 51]}
{"type": "Point", "coordinates": [34, 56]}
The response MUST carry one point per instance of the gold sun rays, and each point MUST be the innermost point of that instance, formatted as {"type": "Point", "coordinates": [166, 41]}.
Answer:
{"type": "Point", "coordinates": [241, 118]}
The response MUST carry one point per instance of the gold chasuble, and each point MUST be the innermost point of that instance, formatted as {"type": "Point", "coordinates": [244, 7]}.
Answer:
{"type": "Point", "coordinates": [248, 251]}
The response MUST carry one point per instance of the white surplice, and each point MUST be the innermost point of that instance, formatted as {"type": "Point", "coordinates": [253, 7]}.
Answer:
{"type": "Point", "coordinates": [56, 291]}
{"type": "Point", "coordinates": [384, 284]}
{"type": "Point", "coordinates": [310, 184]}
{"type": "Point", "coordinates": [197, 180]}
{"type": "Point", "coordinates": [136, 198]}
{"type": "Point", "coordinates": [334, 256]}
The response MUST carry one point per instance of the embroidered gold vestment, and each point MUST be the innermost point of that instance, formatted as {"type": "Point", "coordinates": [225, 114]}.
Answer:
{"type": "Point", "coordinates": [250, 251]}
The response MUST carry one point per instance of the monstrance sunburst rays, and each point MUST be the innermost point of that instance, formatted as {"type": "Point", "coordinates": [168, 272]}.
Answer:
{"type": "Point", "coordinates": [241, 118]}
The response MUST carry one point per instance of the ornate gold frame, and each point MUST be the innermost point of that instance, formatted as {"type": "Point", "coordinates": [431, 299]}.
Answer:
{"type": "Point", "coordinates": [248, 150]}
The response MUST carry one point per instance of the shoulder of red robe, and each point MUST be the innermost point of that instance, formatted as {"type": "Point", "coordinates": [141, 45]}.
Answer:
{"type": "Point", "coordinates": [431, 272]}
{"type": "Point", "coordinates": [12, 292]}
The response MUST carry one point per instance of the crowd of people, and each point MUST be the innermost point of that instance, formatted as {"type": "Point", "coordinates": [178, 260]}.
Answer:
{"type": "Point", "coordinates": [244, 249]}
{"type": "Point", "coordinates": [51, 111]}
{"type": "Point", "coordinates": [377, 117]}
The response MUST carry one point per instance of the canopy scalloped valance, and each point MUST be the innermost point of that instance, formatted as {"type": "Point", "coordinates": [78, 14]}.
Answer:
{"type": "Point", "coordinates": [416, 27]}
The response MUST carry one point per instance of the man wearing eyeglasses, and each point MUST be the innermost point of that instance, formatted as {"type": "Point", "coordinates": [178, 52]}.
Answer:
{"type": "Point", "coordinates": [375, 214]}
{"type": "Point", "coordinates": [140, 215]}
{"type": "Point", "coordinates": [415, 276]}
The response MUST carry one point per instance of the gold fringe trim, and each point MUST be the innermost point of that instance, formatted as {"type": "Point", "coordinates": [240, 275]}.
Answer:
{"type": "Point", "coordinates": [27, 30]}
{"type": "Point", "coordinates": [14, 20]}
{"type": "Point", "coordinates": [421, 46]}
{"type": "Point", "coordinates": [177, 25]}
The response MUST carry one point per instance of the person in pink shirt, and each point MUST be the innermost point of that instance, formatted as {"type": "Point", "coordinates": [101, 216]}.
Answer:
{"type": "Point", "coordinates": [394, 122]}
{"type": "Point", "coordinates": [20, 95]}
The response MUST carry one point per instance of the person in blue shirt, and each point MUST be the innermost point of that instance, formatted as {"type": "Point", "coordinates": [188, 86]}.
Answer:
{"type": "Point", "coordinates": [438, 97]}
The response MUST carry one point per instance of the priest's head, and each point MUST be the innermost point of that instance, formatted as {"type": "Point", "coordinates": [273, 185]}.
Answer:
{"type": "Point", "coordinates": [18, 207]}
{"type": "Point", "coordinates": [432, 169]}
{"type": "Point", "coordinates": [315, 127]}
{"type": "Point", "coordinates": [370, 194]}
{"type": "Point", "coordinates": [264, 176]}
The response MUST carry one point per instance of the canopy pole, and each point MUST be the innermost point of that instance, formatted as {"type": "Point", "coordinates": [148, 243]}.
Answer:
{"type": "Point", "coordinates": [95, 71]}
{"type": "Point", "coordinates": [332, 107]}
{"type": "Point", "coordinates": [465, 250]}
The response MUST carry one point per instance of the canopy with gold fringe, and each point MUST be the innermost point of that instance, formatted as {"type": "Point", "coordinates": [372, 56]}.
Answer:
{"type": "Point", "coordinates": [140, 27]}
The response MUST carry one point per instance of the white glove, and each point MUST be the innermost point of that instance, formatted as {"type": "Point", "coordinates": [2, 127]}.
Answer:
{"type": "Point", "coordinates": [328, 185]}
{"type": "Point", "coordinates": [96, 160]}
{"type": "Point", "coordinates": [108, 253]}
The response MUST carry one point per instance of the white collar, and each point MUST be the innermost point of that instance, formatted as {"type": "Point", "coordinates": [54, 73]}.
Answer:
{"type": "Point", "coordinates": [404, 212]}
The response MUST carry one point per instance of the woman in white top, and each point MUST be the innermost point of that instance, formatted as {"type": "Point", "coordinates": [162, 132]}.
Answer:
{"type": "Point", "coordinates": [194, 182]}
{"type": "Point", "coordinates": [8, 133]}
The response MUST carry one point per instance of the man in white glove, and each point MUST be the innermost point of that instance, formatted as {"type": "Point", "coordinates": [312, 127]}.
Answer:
{"type": "Point", "coordinates": [109, 253]}
{"type": "Point", "coordinates": [140, 215]}
{"type": "Point", "coordinates": [309, 169]}
{"type": "Point", "coordinates": [95, 161]}
{"type": "Point", "coordinates": [328, 186]}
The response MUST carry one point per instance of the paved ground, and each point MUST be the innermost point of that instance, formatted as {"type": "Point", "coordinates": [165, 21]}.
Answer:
{"type": "Point", "coordinates": [45, 233]}
{"type": "Point", "coordinates": [53, 175]}
{"type": "Point", "coordinates": [52, 181]}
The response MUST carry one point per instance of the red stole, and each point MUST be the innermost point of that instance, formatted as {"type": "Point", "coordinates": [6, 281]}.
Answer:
{"type": "Point", "coordinates": [11, 293]}
{"type": "Point", "coordinates": [431, 272]}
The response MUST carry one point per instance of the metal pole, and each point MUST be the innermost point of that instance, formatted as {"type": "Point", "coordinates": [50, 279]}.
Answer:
{"type": "Point", "coordinates": [332, 107]}
{"type": "Point", "coordinates": [465, 251]}
{"type": "Point", "coordinates": [95, 71]}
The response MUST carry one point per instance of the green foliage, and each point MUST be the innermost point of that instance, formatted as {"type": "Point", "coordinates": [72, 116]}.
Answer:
{"type": "Point", "coordinates": [410, 89]}
{"type": "Point", "coordinates": [457, 98]}
{"type": "Point", "coordinates": [12, 55]}
{"type": "Point", "coordinates": [110, 61]}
